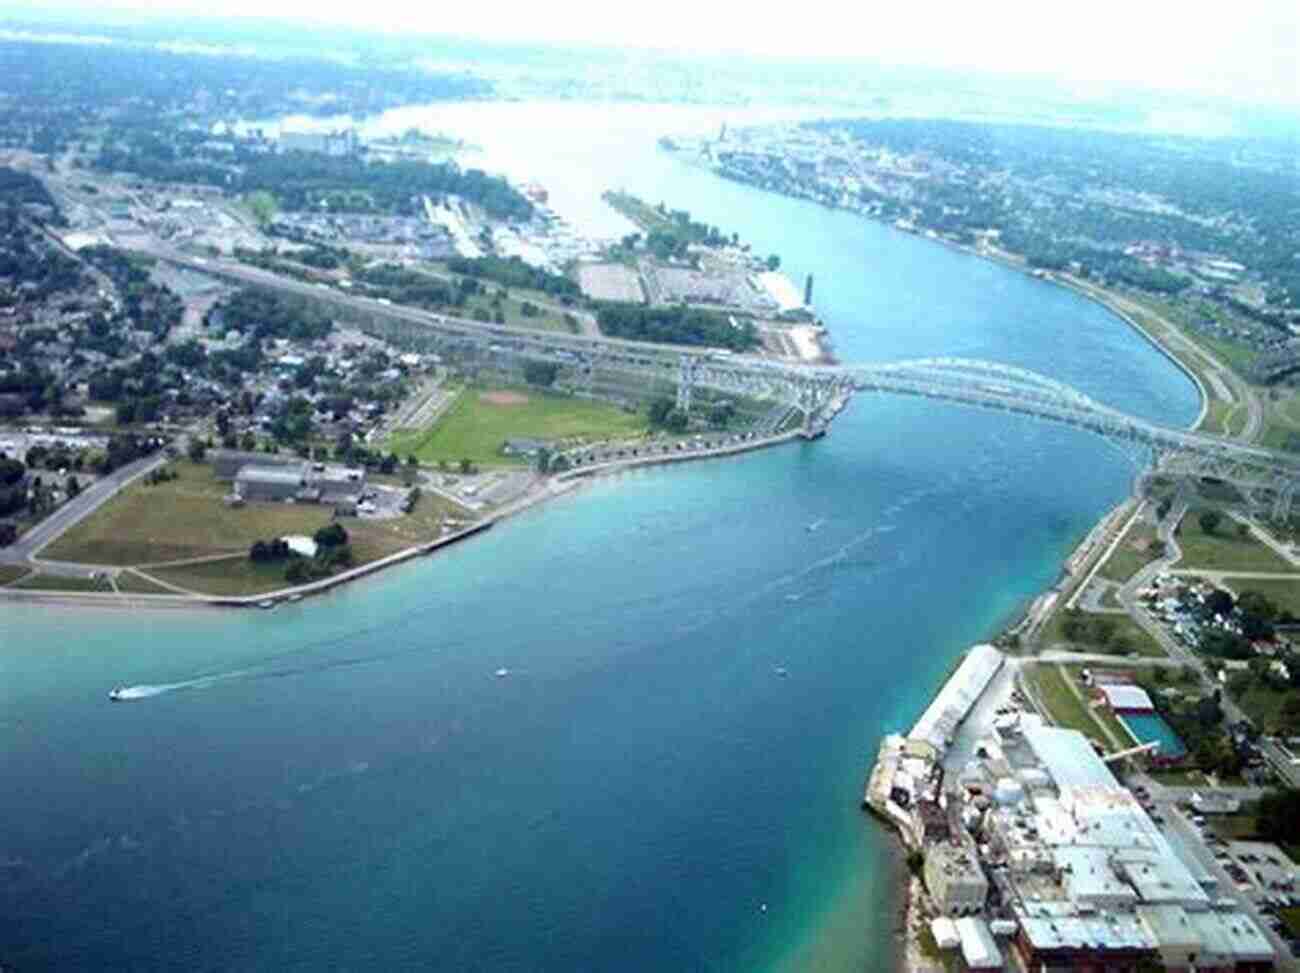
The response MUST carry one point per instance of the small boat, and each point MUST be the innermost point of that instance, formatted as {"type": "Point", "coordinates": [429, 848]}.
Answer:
{"type": "Point", "coordinates": [814, 526]}
{"type": "Point", "coordinates": [502, 673]}
{"type": "Point", "coordinates": [295, 597]}
{"type": "Point", "coordinates": [781, 671]}
{"type": "Point", "coordinates": [266, 603]}
{"type": "Point", "coordinates": [117, 694]}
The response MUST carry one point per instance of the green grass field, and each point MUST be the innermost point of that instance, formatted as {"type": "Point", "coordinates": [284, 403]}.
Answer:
{"type": "Point", "coordinates": [1284, 594]}
{"type": "Point", "coordinates": [1124, 628]}
{"type": "Point", "coordinates": [1063, 707]}
{"type": "Point", "coordinates": [55, 582]}
{"type": "Point", "coordinates": [1291, 919]}
{"type": "Point", "coordinates": [132, 583]}
{"type": "Point", "coordinates": [185, 518]}
{"type": "Point", "coordinates": [1130, 555]}
{"type": "Point", "coordinates": [236, 576]}
{"type": "Point", "coordinates": [477, 424]}
{"type": "Point", "coordinates": [9, 573]}
{"type": "Point", "coordinates": [1225, 549]}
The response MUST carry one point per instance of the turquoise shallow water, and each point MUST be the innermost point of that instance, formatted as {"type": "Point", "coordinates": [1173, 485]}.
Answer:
{"type": "Point", "coordinates": [354, 788]}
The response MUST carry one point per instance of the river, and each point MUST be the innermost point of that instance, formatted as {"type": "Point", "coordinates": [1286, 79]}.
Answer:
{"type": "Point", "coordinates": [345, 783]}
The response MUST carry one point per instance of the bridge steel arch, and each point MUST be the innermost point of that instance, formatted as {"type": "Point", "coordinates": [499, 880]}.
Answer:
{"type": "Point", "coordinates": [817, 392]}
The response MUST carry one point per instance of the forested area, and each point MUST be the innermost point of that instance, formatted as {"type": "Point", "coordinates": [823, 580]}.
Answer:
{"type": "Point", "coordinates": [513, 272]}
{"type": "Point", "coordinates": [675, 325]}
{"type": "Point", "coordinates": [265, 314]}
{"type": "Point", "coordinates": [53, 92]}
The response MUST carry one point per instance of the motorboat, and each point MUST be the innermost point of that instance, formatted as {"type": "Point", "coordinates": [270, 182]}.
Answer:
{"type": "Point", "coordinates": [117, 694]}
{"type": "Point", "coordinates": [502, 673]}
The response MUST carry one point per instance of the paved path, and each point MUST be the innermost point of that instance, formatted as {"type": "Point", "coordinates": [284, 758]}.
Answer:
{"type": "Point", "coordinates": [1268, 540]}
{"type": "Point", "coordinates": [1229, 575]}
{"type": "Point", "coordinates": [26, 548]}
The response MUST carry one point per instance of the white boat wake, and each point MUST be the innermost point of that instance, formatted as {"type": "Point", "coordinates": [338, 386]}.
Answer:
{"type": "Point", "coordinates": [146, 691]}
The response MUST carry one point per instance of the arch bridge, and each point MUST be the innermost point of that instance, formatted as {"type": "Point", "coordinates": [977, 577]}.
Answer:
{"type": "Point", "coordinates": [815, 393]}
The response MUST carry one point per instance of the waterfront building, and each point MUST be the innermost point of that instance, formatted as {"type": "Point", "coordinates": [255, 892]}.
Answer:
{"type": "Point", "coordinates": [941, 719]}
{"type": "Point", "coordinates": [954, 878]}
{"type": "Point", "coordinates": [979, 950]}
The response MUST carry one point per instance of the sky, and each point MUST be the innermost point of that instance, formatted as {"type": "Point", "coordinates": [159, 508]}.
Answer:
{"type": "Point", "coordinates": [1247, 48]}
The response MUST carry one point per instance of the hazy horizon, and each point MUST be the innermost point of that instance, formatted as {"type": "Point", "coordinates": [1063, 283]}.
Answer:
{"type": "Point", "coordinates": [1153, 46]}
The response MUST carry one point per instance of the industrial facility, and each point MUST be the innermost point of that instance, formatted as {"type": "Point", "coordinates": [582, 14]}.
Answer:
{"type": "Point", "coordinates": [1036, 857]}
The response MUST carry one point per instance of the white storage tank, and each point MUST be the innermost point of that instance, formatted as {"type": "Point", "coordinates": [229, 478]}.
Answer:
{"type": "Point", "coordinates": [1008, 791]}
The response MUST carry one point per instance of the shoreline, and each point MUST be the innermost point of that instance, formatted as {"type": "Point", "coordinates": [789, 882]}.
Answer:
{"type": "Point", "coordinates": [907, 888]}
{"type": "Point", "coordinates": [542, 491]}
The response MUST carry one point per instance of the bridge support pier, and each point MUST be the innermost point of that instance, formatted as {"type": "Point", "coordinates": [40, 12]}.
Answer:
{"type": "Point", "coordinates": [685, 380]}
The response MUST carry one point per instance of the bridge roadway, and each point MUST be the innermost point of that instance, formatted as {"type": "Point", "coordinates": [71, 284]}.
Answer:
{"type": "Point", "coordinates": [816, 391]}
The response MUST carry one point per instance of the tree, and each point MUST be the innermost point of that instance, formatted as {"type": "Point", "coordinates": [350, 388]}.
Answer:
{"type": "Point", "coordinates": [466, 466]}
{"type": "Point", "coordinates": [773, 262]}
{"type": "Point", "coordinates": [541, 373]}
{"type": "Point", "coordinates": [12, 471]}
{"type": "Point", "coordinates": [1278, 816]}
{"type": "Point", "coordinates": [198, 450]}
{"type": "Point", "coordinates": [1210, 520]}
{"type": "Point", "coordinates": [331, 535]}
{"type": "Point", "coordinates": [677, 421]}
{"type": "Point", "coordinates": [660, 409]}
{"type": "Point", "coordinates": [73, 486]}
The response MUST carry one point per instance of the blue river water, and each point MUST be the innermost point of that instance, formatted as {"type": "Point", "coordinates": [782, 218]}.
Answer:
{"type": "Point", "coordinates": [344, 784]}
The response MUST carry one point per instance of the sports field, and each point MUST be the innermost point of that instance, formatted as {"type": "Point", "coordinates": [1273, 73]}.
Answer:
{"type": "Point", "coordinates": [480, 421]}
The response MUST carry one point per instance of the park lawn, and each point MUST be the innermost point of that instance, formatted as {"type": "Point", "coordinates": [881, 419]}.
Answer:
{"type": "Point", "coordinates": [232, 576]}
{"type": "Point", "coordinates": [130, 582]}
{"type": "Point", "coordinates": [1225, 549]}
{"type": "Point", "coordinates": [1129, 556]}
{"type": "Point", "coordinates": [475, 426]}
{"type": "Point", "coordinates": [180, 519]}
{"type": "Point", "coordinates": [1124, 627]}
{"type": "Point", "coordinates": [1225, 418]}
{"type": "Point", "coordinates": [1063, 707]}
{"type": "Point", "coordinates": [186, 518]}
{"type": "Point", "coordinates": [9, 573]}
{"type": "Point", "coordinates": [1263, 704]}
{"type": "Point", "coordinates": [57, 582]}
{"type": "Point", "coordinates": [545, 320]}
{"type": "Point", "coordinates": [1285, 594]}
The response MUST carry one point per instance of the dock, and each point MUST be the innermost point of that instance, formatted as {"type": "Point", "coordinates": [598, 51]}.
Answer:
{"type": "Point", "coordinates": [904, 785]}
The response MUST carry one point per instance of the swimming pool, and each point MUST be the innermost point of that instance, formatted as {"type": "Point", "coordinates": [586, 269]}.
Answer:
{"type": "Point", "coordinates": [1146, 727]}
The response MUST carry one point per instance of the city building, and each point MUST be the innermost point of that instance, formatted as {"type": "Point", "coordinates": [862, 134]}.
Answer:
{"type": "Point", "coordinates": [271, 483]}
{"type": "Point", "coordinates": [226, 463]}
{"type": "Point", "coordinates": [979, 950]}
{"type": "Point", "coordinates": [338, 143]}
{"type": "Point", "coordinates": [954, 878]}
